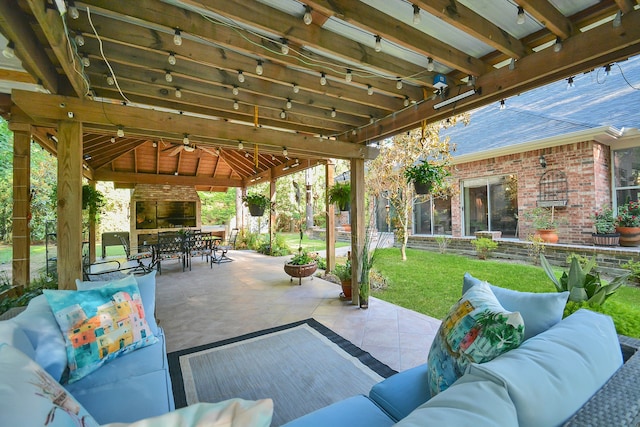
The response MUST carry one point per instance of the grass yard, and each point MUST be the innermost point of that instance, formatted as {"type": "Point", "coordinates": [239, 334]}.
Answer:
{"type": "Point", "coordinates": [293, 240]}
{"type": "Point", "coordinates": [430, 283]}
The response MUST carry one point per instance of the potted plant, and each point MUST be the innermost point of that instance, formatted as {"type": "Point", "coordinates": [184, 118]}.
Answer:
{"type": "Point", "coordinates": [257, 203]}
{"type": "Point", "coordinates": [484, 246]}
{"type": "Point", "coordinates": [426, 176]}
{"type": "Point", "coordinates": [605, 228]}
{"type": "Point", "coordinates": [343, 272]}
{"type": "Point", "coordinates": [340, 194]}
{"type": "Point", "coordinates": [628, 223]}
{"type": "Point", "coordinates": [545, 223]}
{"type": "Point", "coordinates": [303, 264]}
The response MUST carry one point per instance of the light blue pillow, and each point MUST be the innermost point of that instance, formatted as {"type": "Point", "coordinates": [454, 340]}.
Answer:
{"type": "Point", "coordinates": [540, 311]}
{"type": "Point", "coordinates": [29, 396]}
{"type": "Point", "coordinates": [554, 374]}
{"type": "Point", "coordinates": [147, 286]}
{"type": "Point", "coordinates": [100, 324]}
{"type": "Point", "coordinates": [11, 333]}
{"type": "Point", "coordinates": [476, 330]}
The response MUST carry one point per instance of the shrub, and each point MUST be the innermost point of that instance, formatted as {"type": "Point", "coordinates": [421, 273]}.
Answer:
{"type": "Point", "coordinates": [443, 243]}
{"type": "Point", "coordinates": [634, 268]}
{"type": "Point", "coordinates": [484, 247]}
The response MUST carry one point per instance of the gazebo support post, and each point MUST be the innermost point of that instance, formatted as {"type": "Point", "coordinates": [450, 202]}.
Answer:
{"type": "Point", "coordinates": [272, 214]}
{"type": "Point", "coordinates": [92, 230]}
{"type": "Point", "coordinates": [357, 226]}
{"type": "Point", "coordinates": [330, 229]}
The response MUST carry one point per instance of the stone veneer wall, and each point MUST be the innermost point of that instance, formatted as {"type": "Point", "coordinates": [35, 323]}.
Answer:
{"type": "Point", "coordinates": [586, 166]}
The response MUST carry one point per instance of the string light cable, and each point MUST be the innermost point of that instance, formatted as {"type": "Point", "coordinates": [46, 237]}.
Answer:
{"type": "Point", "coordinates": [73, 52]}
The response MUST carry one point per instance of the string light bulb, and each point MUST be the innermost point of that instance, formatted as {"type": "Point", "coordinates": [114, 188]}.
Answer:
{"type": "Point", "coordinates": [218, 152]}
{"type": "Point", "coordinates": [259, 68]}
{"type": "Point", "coordinates": [521, 16]}
{"type": "Point", "coordinates": [406, 101]}
{"type": "Point", "coordinates": [177, 38]}
{"type": "Point", "coordinates": [296, 88]}
{"type": "Point", "coordinates": [168, 77]}
{"type": "Point", "coordinates": [307, 18]}
{"type": "Point", "coordinates": [284, 47]}
{"type": "Point", "coordinates": [323, 79]}
{"type": "Point", "coordinates": [240, 145]}
{"type": "Point", "coordinates": [79, 38]}
{"type": "Point", "coordinates": [503, 105]}
{"type": "Point", "coordinates": [557, 46]}
{"type": "Point", "coordinates": [416, 14]}
{"type": "Point", "coordinates": [185, 139]}
{"type": "Point", "coordinates": [120, 132]}
{"type": "Point", "coordinates": [471, 80]}
{"type": "Point", "coordinates": [349, 76]}
{"type": "Point", "coordinates": [9, 50]}
{"type": "Point", "coordinates": [378, 45]}
{"type": "Point", "coordinates": [235, 90]}
{"type": "Point", "coordinates": [288, 103]}
{"type": "Point", "coordinates": [112, 140]}
{"type": "Point", "coordinates": [283, 114]}
{"type": "Point", "coordinates": [371, 120]}
{"type": "Point", "coordinates": [178, 93]}
{"type": "Point", "coordinates": [333, 113]}
{"type": "Point", "coordinates": [285, 153]}
{"type": "Point", "coordinates": [430, 65]}
{"type": "Point", "coordinates": [399, 84]}
{"type": "Point", "coordinates": [512, 64]}
{"type": "Point", "coordinates": [240, 76]}
{"type": "Point", "coordinates": [607, 69]}
{"type": "Point", "coordinates": [171, 58]}
{"type": "Point", "coordinates": [617, 20]}
{"type": "Point", "coordinates": [235, 104]}
{"type": "Point", "coordinates": [73, 11]}
{"type": "Point", "coordinates": [86, 62]}
{"type": "Point", "coordinates": [570, 84]}
{"type": "Point", "coordinates": [369, 90]}
{"type": "Point", "coordinates": [110, 80]}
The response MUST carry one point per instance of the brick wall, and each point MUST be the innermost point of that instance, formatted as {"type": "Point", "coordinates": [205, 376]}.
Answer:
{"type": "Point", "coordinates": [587, 169]}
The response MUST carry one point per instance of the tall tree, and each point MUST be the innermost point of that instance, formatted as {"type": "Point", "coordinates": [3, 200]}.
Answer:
{"type": "Point", "coordinates": [385, 177]}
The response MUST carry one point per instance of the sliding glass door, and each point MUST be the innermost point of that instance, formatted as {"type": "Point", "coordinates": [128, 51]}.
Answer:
{"type": "Point", "coordinates": [490, 204]}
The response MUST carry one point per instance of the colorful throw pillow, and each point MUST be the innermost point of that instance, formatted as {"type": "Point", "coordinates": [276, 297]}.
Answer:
{"type": "Point", "coordinates": [540, 311]}
{"type": "Point", "coordinates": [29, 396]}
{"type": "Point", "coordinates": [476, 330]}
{"type": "Point", "coordinates": [100, 324]}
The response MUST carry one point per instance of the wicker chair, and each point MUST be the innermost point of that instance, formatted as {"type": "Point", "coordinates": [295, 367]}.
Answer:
{"type": "Point", "coordinates": [220, 250]}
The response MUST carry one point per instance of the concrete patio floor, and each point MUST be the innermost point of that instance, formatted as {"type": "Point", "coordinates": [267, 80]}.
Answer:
{"type": "Point", "coordinates": [253, 292]}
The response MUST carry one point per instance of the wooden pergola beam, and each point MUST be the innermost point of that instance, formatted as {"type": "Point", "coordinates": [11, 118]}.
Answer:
{"type": "Point", "coordinates": [150, 178]}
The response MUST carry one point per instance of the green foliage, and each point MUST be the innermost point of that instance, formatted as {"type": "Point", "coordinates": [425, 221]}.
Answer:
{"type": "Point", "coordinates": [626, 318]}
{"type": "Point", "coordinates": [322, 262]}
{"type": "Point", "coordinates": [542, 218]}
{"type": "Point", "coordinates": [216, 207]}
{"type": "Point", "coordinates": [35, 289]}
{"type": "Point", "coordinates": [340, 194]}
{"type": "Point", "coordinates": [484, 246]}
{"type": "Point", "coordinates": [581, 284]}
{"type": "Point", "coordinates": [256, 199]}
{"type": "Point", "coordinates": [249, 240]}
{"type": "Point", "coordinates": [604, 222]}
{"type": "Point", "coordinates": [443, 243]}
{"type": "Point", "coordinates": [92, 199]}
{"type": "Point", "coordinates": [536, 248]}
{"type": "Point", "coordinates": [634, 269]}
{"type": "Point", "coordinates": [629, 214]}
{"type": "Point", "coordinates": [343, 271]}
{"type": "Point", "coordinates": [279, 247]}
{"type": "Point", "coordinates": [302, 258]}
{"type": "Point", "coordinates": [426, 173]}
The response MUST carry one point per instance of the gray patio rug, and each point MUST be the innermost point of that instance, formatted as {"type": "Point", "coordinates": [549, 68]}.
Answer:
{"type": "Point", "coordinates": [302, 366]}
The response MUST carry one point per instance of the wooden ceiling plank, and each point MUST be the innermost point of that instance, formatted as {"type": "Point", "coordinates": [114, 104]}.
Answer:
{"type": "Point", "coordinates": [549, 16]}
{"type": "Point", "coordinates": [371, 19]}
{"type": "Point", "coordinates": [465, 19]}
{"type": "Point", "coordinates": [39, 105]}
{"type": "Point", "coordinates": [50, 22]}
{"type": "Point", "coordinates": [15, 26]}
{"type": "Point", "coordinates": [146, 178]}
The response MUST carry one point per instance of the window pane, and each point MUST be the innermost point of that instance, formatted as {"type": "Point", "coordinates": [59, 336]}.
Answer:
{"type": "Point", "coordinates": [442, 216]}
{"type": "Point", "coordinates": [504, 205]}
{"type": "Point", "coordinates": [627, 168]}
{"type": "Point", "coordinates": [422, 217]}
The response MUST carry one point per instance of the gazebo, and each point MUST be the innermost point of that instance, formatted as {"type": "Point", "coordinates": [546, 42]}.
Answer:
{"type": "Point", "coordinates": [216, 94]}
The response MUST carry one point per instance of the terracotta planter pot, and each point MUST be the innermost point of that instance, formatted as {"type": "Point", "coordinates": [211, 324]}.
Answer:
{"type": "Point", "coordinates": [610, 239]}
{"type": "Point", "coordinates": [300, 271]}
{"type": "Point", "coordinates": [629, 236]}
{"type": "Point", "coordinates": [547, 236]}
{"type": "Point", "coordinates": [346, 288]}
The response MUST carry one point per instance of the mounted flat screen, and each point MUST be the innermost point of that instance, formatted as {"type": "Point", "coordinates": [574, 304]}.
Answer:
{"type": "Point", "coordinates": [151, 215]}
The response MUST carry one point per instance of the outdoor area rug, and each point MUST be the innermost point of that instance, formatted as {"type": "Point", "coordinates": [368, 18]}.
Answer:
{"type": "Point", "coordinates": [302, 366]}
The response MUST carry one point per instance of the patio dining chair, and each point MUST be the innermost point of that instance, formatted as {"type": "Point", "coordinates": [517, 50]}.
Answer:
{"type": "Point", "coordinates": [137, 257]}
{"type": "Point", "coordinates": [101, 270]}
{"type": "Point", "coordinates": [199, 244]}
{"type": "Point", "coordinates": [169, 246]}
{"type": "Point", "coordinates": [220, 250]}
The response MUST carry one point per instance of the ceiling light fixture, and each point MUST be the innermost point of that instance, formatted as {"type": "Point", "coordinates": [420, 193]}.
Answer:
{"type": "Point", "coordinates": [178, 93]}
{"type": "Point", "coordinates": [283, 114]}
{"type": "Point", "coordinates": [333, 113]}
{"type": "Point", "coordinates": [416, 14]}
{"type": "Point", "coordinates": [521, 16]}
{"type": "Point", "coordinates": [307, 18]}
{"type": "Point", "coordinates": [454, 99]}
{"type": "Point", "coordinates": [235, 104]}
{"type": "Point", "coordinates": [240, 76]}
{"type": "Point", "coordinates": [235, 90]}
{"type": "Point", "coordinates": [557, 46]}
{"type": "Point", "coordinates": [430, 65]}
{"type": "Point", "coordinates": [284, 47]}
{"type": "Point", "coordinates": [288, 104]}
{"type": "Point", "coordinates": [177, 38]}
{"type": "Point", "coordinates": [240, 145]}
{"type": "Point", "coordinates": [9, 51]}
{"type": "Point", "coordinates": [79, 38]}
{"type": "Point", "coordinates": [73, 11]}
{"type": "Point", "coordinates": [120, 131]}
{"type": "Point", "coordinates": [185, 139]}
{"type": "Point", "coordinates": [86, 62]}
{"type": "Point", "coordinates": [172, 58]}
{"type": "Point", "coordinates": [503, 105]}
{"type": "Point", "coordinates": [378, 45]}
{"type": "Point", "coordinates": [296, 88]}
{"type": "Point", "coordinates": [399, 83]}
{"type": "Point", "coordinates": [349, 76]}
{"type": "Point", "coordinates": [168, 77]}
{"type": "Point", "coordinates": [369, 90]}
{"type": "Point", "coordinates": [323, 79]}
{"type": "Point", "coordinates": [617, 20]}
{"type": "Point", "coordinates": [110, 80]}
{"type": "Point", "coordinates": [259, 68]}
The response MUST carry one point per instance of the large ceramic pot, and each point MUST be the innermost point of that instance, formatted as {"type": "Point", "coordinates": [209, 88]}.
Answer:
{"type": "Point", "coordinates": [547, 236]}
{"type": "Point", "coordinates": [629, 236]}
{"type": "Point", "coordinates": [609, 239]}
{"type": "Point", "coordinates": [300, 271]}
{"type": "Point", "coordinates": [346, 288]}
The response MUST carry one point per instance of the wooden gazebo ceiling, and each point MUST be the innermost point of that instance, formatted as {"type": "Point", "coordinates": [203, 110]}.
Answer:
{"type": "Point", "coordinates": [391, 90]}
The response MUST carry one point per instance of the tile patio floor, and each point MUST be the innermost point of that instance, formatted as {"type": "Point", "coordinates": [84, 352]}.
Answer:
{"type": "Point", "coordinates": [254, 293]}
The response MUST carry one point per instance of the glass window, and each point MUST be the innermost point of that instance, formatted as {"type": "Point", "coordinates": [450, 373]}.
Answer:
{"type": "Point", "coordinates": [433, 216]}
{"type": "Point", "coordinates": [491, 204]}
{"type": "Point", "coordinates": [626, 169]}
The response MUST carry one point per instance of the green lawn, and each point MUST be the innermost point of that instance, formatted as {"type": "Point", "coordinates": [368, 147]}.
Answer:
{"type": "Point", "coordinates": [430, 283]}
{"type": "Point", "coordinates": [6, 253]}
{"type": "Point", "coordinates": [293, 240]}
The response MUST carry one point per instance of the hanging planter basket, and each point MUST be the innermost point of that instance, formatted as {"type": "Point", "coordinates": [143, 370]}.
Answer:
{"type": "Point", "coordinates": [255, 210]}
{"type": "Point", "coordinates": [422, 188]}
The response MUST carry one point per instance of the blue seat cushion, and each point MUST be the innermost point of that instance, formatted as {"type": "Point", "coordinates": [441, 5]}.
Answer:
{"type": "Point", "coordinates": [356, 411]}
{"type": "Point", "coordinates": [403, 392]}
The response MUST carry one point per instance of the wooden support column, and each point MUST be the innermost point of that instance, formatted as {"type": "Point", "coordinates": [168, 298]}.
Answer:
{"type": "Point", "coordinates": [239, 210]}
{"type": "Point", "coordinates": [20, 268]}
{"type": "Point", "coordinates": [330, 230]}
{"type": "Point", "coordinates": [92, 230]}
{"type": "Point", "coordinates": [69, 204]}
{"type": "Point", "coordinates": [272, 213]}
{"type": "Point", "coordinates": [357, 225]}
